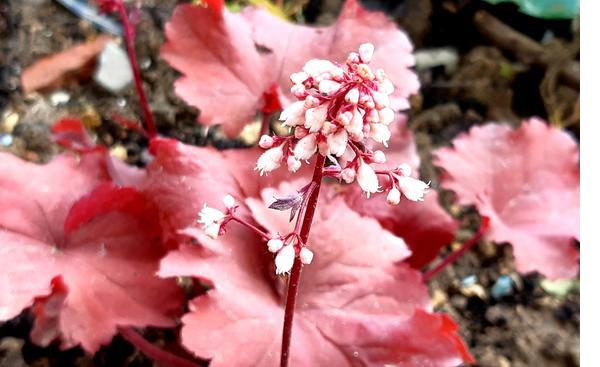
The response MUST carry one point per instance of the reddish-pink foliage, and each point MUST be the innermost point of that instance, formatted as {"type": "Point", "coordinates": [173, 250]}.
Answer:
{"type": "Point", "coordinates": [65, 220]}
{"type": "Point", "coordinates": [232, 61]}
{"type": "Point", "coordinates": [527, 182]}
{"type": "Point", "coordinates": [357, 305]}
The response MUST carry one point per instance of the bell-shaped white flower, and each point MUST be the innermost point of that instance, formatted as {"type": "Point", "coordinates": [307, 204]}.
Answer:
{"type": "Point", "coordinates": [412, 188]}
{"type": "Point", "coordinates": [366, 52]}
{"type": "Point", "coordinates": [306, 147]}
{"type": "Point", "coordinates": [211, 220]}
{"type": "Point", "coordinates": [348, 175]}
{"type": "Point", "coordinates": [352, 96]}
{"type": "Point", "coordinates": [380, 133]}
{"type": "Point", "coordinates": [367, 178]}
{"type": "Point", "coordinates": [315, 117]}
{"type": "Point", "coordinates": [393, 196]}
{"type": "Point", "coordinates": [274, 245]}
{"type": "Point", "coordinates": [337, 142]}
{"type": "Point", "coordinates": [316, 67]}
{"type": "Point", "coordinates": [285, 259]}
{"type": "Point", "coordinates": [386, 115]}
{"type": "Point", "coordinates": [379, 157]}
{"type": "Point", "coordinates": [299, 77]}
{"type": "Point", "coordinates": [328, 87]}
{"type": "Point", "coordinates": [293, 164]}
{"type": "Point", "coordinates": [293, 114]}
{"type": "Point", "coordinates": [270, 160]}
{"type": "Point", "coordinates": [229, 201]}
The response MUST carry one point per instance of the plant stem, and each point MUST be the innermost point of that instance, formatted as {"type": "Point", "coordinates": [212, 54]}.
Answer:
{"type": "Point", "coordinates": [483, 228]}
{"type": "Point", "coordinates": [129, 34]}
{"type": "Point", "coordinates": [250, 227]}
{"type": "Point", "coordinates": [294, 282]}
{"type": "Point", "coordinates": [153, 352]}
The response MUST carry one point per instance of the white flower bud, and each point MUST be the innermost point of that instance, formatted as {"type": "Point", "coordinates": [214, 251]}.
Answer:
{"type": "Point", "coordinates": [306, 147]}
{"type": "Point", "coordinates": [293, 164]}
{"type": "Point", "coordinates": [311, 102]}
{"type": "Point", "coordinates": [386, 115]}
{"type": "Point", "coordinates": [317, 67]}
{"type": "Point", "coordinates": [379, 157]}
{"type": "Point", "coordinates": [405, 169]}
{"type": "Point", "coordinates": [356, 124]}
{"type": "Point", "coordinates": [285, 259]}
{"type": "Point", "coordinates": [265, 142]}
{"type": "Point", "coordinates": [366, 52]}
{"type": "Point", "coordinates": [298, 90]}
{"type": "Point", "coordinates": [380, 133]}
{"type": "Point", "coordinates": [211, 220]}
{"type": "Point", "coordinates": [293, 114]}
{"type": "Point", "coordinates": [298, 78]}
{"type": "Point", "coordinates": [412, 188]}
{"type": "Point", "coordinates": [365, 72]}
{"type": "Point", "coordinates": [348, 175]}
{"type": "Point", "coordinates": [353, 58]}
{"type": "Point", "coordinates": [328, 87]}
{"type": "Point", "coordinates": [337, 142]}
{"type": "Point", "coordinates": [393, 196]}
{"type": "Point", "coordinates": [367, 178]}
{"type": "Point", "coordinates": [270, 160]}
{"type": "Point", "coordinates": [274, 244]}
{"type": "Point", "coordinates": [386, 86]}
{"type": "Point", "coordinates": [337, 74]}
{"type": "Point", "coordinates": [372, 116]}
{"type": "Point", "coordinates": [381, 100]}
{"type": "Point", "coordinates": [306, 256]}
{"type": "Point", "coordinates": [344, 118]}
{"type": "Point", "coordinates": [328, 128]}
{"type": "Point", "coordinates": [229, 201]}
{"type": "Point", "coordinates": [352, 96]}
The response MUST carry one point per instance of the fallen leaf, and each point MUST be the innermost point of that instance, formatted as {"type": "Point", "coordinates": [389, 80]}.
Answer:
{"type": "Point", "coordinates": [63, 68]}
{"type": "Point", "coordinates": [527, 182]}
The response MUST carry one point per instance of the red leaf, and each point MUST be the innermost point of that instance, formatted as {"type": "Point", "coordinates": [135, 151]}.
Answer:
{"type": "Point", "coordinates": [356, 305]}
{"type": "Point", "coordinates": [527, 182]}
{"type": "Point", "coordinates": [63, 68]}
{"type": "Point", "coordinates": [232, 61]}
{"type": "Point", "coordinates": [106, 255]}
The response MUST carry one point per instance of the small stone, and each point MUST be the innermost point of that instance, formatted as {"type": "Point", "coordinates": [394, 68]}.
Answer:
{"type": "Point", "coordinates": [113, 71]}
{"type": "Point", "coordinates": [488, 249]}
{"type": "Point", "coordinates": [504, 286]}
{"type": "Point", "coordinates": [90, 117]}
{"type": "Point", "coordinates": [250, 133]}
{"type": "Point", "coordinates": [121, 102]}
{"type": "Point", "coordinates": [503, 362]}
{"type": "Point", "coordinates": [475, 290]}
{"type": "Point", "coordinates": [118, 151]}
{"type": "Point", "coordinates": [468, 281]}
{"type": "Point", "coordinates": [558, 288]}
{"type": "Point", "coordinates": [6, 140]}
{"type": "Point", "coordinates": [10, 119]}
{"type": "Point", "coordinates": [59, 97]}
{"type": "Point", "coordinates": [438, 298]}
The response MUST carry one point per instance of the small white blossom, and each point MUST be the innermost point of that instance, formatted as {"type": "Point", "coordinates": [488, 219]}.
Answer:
{"type": "Point", "coordinates": [380, 133]}
{"type": "Point", "coordinates": [367, 178]}
{"type": "Point", "coordinates": [365, 72]}
{"type": "Point", "coordinates": [381, 100]}
{"type": "Point", "coordinates": [293, 164]}
{"type": "Point", "coordinates": [393, 196]}
{"type": "Point", "coordinates": [316, 67]}
{"type": "Point", "coordinates": [229, 201]}
{"type": "Point", "coordinates": [352, 96]}
{"type": "Point", "coordinates": [337, 142]}
{"type": "Point", "coordinates": [211, 220]}
{"type": "Point", "coordinates": [285, 259]}
{"type": "Point", "coordinates": [386, 116]}
{"type": "Point", "coordinates": [270, 160]}
{"type": "Point", "coordinates": [405, 169]}
{"type": "Point", "coordinates": [265, 142]}
{"type": "Point", "coordinates": [348, 175]}
{"type": "Point", "coordinates": [328, 87]}
{"type": "Point", "coordinates": [299, 77]}
{"type": "Point", "coordinates": [412, 188]}
{"type": "Point", "coordinates": [274, 244]}
{"type": "Point", "coordinates": [366, 52]}
{"type": "Point", "coordinates": [306, 256]}
{"type": "Point", "coordinates": [306, 147]}
{"type": "Point", "coordinates": [315, 117]}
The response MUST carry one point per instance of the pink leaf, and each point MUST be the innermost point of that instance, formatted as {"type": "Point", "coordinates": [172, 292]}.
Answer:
{"type": "Point", "coordinates": [527, 182]}
{"type": "Point", "coordinates": [103, 245]}
{"type": "Point", "coordinates": [236, 64]}
{"type": "Point", "coordinates": [356, 305]}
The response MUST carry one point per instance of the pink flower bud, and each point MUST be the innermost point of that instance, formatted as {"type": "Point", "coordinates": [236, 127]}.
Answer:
{"type": "Point", "coordinates": [306, 147]}
{"type": "Point", "coordinates": [311, 102]}
{"type": "Point", "coordinates": [348, 175]}
{"type": "Point", "coordinates": [344, 118]}
{"type": "Point", "coordinates": [298, 90]}
{"type": "Point", "coordinates": [300, 132]}
{"type": "Point", "coordinates": [356, 124]}
{"type": "Point", "coordinates": [265, 142]}
{"type": "Point", "coordinates": [367, 178]}
{"type": "Point", "coordinates": [379, 157]}
{"type": "Point", "coordinates": [366, 52]}
{"type": "Point", "coordinates": [285, 259]}
{"type": "Point", "coordinates": [352, 96]}
{"type": "Point", "coordinates": [306, 256]}
{"type": "Point", "coordinates": [328, 128]}
{"type": "Point", "coordinates": [293, 164]}
{"type": "Point", "coordinates": [353, 58]}
{"type": "Point", "coordinates": [393, 196]}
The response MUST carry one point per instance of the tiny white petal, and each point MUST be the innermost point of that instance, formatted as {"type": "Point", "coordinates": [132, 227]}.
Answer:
{"type": "Point", "coordinates": [381, 100]}
{"type": "Point", "coordinates": [293, 164]}
{"type": "Point", "coordinates": [379, 156]}
{"type": "Point", "coordinates": [285, 259]}
{"type": "Point", "coordinates": [270, 160]}
{"type": "Point", "coordinates": [386, 86]}
{"type": "Point", "coordinates": [274, 244]}
{"type": "Point", "coordinates": [386, 115]}
{"type": "Point", "coordinates": [380, 133]}
{"type": "Point", "coordinates": [405, 169]}
{"type": "Point", "coordinates": [293, 114]}
{"type": "Point", "coordinates": [337, 142]}
{"type": "Point", "coordinates": [315, 117]}
{"type": "Point", "coordinates": [352, 96]}
{"type": "Point", "coordinates": [299, 77]}
{"type": "Point", "coordinates": [306, 256]}
{"type": "Point", "coordinates": [212, 231]}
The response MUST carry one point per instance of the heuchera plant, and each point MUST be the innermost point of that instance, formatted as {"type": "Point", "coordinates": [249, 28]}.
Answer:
{"type": "Point", "coordinates": [340, 107]}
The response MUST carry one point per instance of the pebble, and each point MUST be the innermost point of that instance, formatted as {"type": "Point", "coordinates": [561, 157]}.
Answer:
{"type": "Point", "coordinates": [113, 71]}
{"type": "Point", "coordinates": [558, 288]}
{"type": "Point", "coordinates": [59, 97]}
{"type": "Point", "coordinates": [6, 140]}
{"type": "Point", "coordinates": [504, 286]}
{"type": "Point", "coordinates": [468, 280]}
{"type": "Point", "coordinates": [10, 119]}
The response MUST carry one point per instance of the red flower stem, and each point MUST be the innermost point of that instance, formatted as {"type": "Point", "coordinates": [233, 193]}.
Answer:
{"type": "Point", "coordinates": [153, 352]}
{"type": "Point", "coordinates": [294, 282]}
{"type": "Point", "coordinates": [483, 228]}
{"type": "Point", "coordinates": [251, 227]}
{"type": "Point", "coordinates": [129, 34]}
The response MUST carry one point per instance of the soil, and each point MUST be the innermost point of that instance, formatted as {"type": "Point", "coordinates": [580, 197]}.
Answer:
{"type": "Point", "coordinates": [526, 328]}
